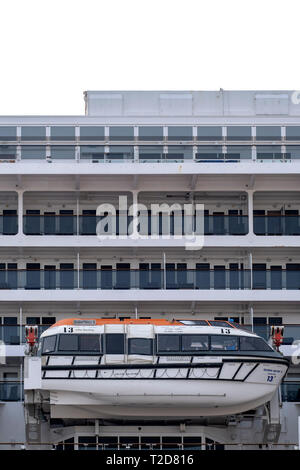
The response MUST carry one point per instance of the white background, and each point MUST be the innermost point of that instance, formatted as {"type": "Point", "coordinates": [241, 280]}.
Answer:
{"type": "Point", "coordinates": [53, 50]}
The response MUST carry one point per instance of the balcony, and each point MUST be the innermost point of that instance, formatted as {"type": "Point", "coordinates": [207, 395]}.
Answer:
{"type": "Point", "coordinates": [109, 279]}
{"type": "Point", "coordinates": [8, 224]}
{"type": "Point", "coordinates": [276, 224]}
{"type": "Point", "coordinates": [87, 224]}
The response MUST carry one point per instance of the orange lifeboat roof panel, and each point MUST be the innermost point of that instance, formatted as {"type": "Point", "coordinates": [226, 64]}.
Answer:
{"type": "Point", "coordinates": [115, 321]}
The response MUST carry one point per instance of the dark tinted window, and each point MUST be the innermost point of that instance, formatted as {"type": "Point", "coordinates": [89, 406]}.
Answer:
{"type": "Point", "coordinates": [92, 151]}
{"type": "Point", "coordinates": [179, 152]}
{"type": "Point", "coordinates": [62, 152]}
{"type": "Point", "coordinates": [292, 133]}
{"type": "Point", "coordinates": [91, 133]}
{"type": "Point", "coordinates": [194, 322]}
{"type": "Point", "coordinates": [8, 133]}
{"type": "Point", "coordinates": [121, 133]}
{"type": "Point", "coordinates": [268, 133]}
{"type": "Point", "coordinates": [268, 151]}
{"type": "Point", "coordinates": [253, 344]}
{"type": "Point", "coordinates": [68, 343]}
{"type": "Point", "coordinates": [33, 152]}
{"type": "Point", "coordinates": [114, 343]}
{"type": "Point", "coordinates": [49, 344]}
{"type": "Point", "coordinates": [237, 152]}
{"type": "Point", "coordinates": [154, 152]}
{"type": "Point", "coordinates": [62, 133]}
{"type": "Point", "coordinates": [209, 152]}
{"type": "Point", "coordinates": [168, 343]}
{"type": "Point", "coordinates": [140, 346]}
{"type": "Point", "coordinates": [8, 151]}
{"type": "Point", "coordinates": [150, 133]}
{"type": "Point", "coordinates": [194, 342]}
{"type": "Point", "coordinates": [120, 152]}
{"type": "Point", "coordinates": [224, 343]}
{"type": "Point", "coordinates": [239, 133]}
{"type": "Point", "coordinates": [180, 133]}
{"type": "Point", "coordinates": [33, 133]}
{"type": "Point", "coordinates": [219, 323]}
{"type": "Point", "coordinates": [209, 133]}
{"type": "Point", "coordinates": [89, 343]}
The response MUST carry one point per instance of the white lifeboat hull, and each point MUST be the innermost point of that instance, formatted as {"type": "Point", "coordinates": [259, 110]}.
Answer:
{"type": "Point", "coordinates": [233, 388]}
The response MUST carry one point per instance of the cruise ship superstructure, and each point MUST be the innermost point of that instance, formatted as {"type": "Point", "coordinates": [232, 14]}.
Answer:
{"type": "Point", "coordinates": [234, 158]}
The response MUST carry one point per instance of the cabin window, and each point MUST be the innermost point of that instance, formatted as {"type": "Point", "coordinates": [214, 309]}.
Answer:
{"type": "Point", "coordinates": [194, 343]}
{"type": "Point", "coordinates": [219, 323]}
{"type": "Point", "coordinates": [224, 343]}
{"type": "Point", "coordinates": [248, 343]}
{"type": "Point", "coordinates": [49, 344]}
{"type": "Point", "coordinates": [140, 346]}
{"type": "Point", "coordinates": [89, 343]}
{"type": "Point", "coordinates": [168, 343]}
{"type": "Point", "coordinates": [68, 343]}
{"type": "Point", "coordinates": [115, 343]}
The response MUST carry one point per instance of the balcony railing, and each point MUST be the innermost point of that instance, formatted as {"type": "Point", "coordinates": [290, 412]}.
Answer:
{"type": "Point", "coordinates": [173, 225]}
{"type": "Point", "coordinates": [276, 224]}
{"type": "Point", "coordinates": [217, 279]}
{"type": "Point", "coordinates": [8, 224]}
{"type": "Point", "coordinates": [11, 391]}
{"type": "Point", "coordinates": [290, 391]}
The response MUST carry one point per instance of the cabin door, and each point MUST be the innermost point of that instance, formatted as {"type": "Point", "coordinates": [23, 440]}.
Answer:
{"type": "Point", "coordinates": [140, 343]}
{"type": "Point", "coordinates": [114, 339]}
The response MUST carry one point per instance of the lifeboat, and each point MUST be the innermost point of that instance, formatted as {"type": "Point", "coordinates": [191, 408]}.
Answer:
{"type": "Point", "coordinates": [150, 369]}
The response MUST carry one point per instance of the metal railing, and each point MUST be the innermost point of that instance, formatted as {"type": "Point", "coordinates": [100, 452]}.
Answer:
{"type": "Point", "coordinates": [213, 279]}
{"type": "Point", "coordinates": [8, 224]}
{"type": "Point", "coordinates": [290, 392]}
{"type": "Point", "coordinates": [11, 391]}
{"type": "Point", "coordinates": [276, 224]}
{"type": "Point", "coordinates": [148, 225]}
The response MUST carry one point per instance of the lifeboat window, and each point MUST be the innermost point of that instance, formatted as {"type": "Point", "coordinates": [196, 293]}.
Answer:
{"type": "Point", "coordinates": [194, 343]}
{"type": "Point", "coordinates": [248, 343]}
{"type": "Point", "coordinates": [89, 343]}
{"type": "Point", "coordinates": [224, 343]}
{"type": "Point", "coordinates": [115, 343]}
{"type": "Point", "coordinates": [219, 323]}
{"type": "Point", "coordinates": [49, 344]}
{"type": "Point", "coordinates": [140, 346]}
{"type": "Point", "coordinates": [68, 343]}
{"type": "Point", "coordinates": [168, 343]}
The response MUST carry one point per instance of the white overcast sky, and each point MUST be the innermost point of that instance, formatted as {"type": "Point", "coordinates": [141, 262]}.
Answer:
{"type": "Point", "coordinates": [53, 50]}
